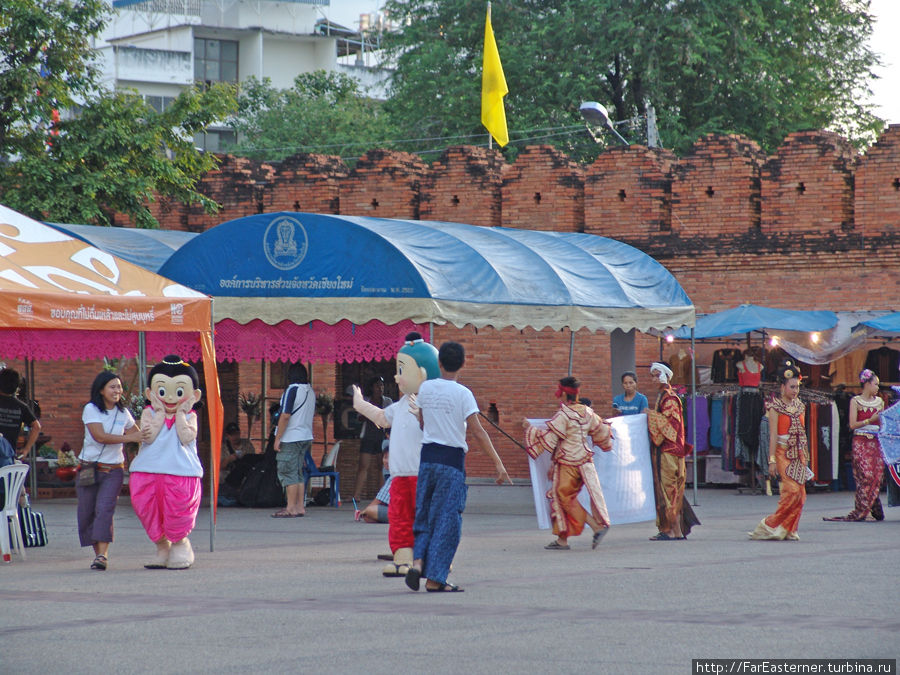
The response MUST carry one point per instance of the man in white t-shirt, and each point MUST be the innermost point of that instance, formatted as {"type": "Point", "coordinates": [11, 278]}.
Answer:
{"type": "Point", "coordinates": [293, 439]}
{"type": "Point", "coordinates": [417, 361]}
{"type": "Point", "coordinates": [445, 409]}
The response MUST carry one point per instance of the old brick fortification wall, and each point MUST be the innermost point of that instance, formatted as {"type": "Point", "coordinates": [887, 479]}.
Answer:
{"type": "Point", "coordinates": [814, 226]}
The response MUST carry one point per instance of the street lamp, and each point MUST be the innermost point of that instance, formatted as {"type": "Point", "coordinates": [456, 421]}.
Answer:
{"type": "Point", "coordinates": [594, 113]}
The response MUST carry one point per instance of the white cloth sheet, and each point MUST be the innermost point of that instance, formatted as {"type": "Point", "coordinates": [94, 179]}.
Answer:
{"type": "Point", "coordinates": [625, 474]}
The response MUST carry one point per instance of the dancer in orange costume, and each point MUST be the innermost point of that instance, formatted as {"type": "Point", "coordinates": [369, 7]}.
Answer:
{"type": "Point", "coordinates": [788, 454]}
{"type": "Point", "coordinates": [566, 438]}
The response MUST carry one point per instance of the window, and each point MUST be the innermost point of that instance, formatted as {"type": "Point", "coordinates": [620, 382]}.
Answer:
{"type": "Point", "coordinates": [215, 60]}
{"type": "Point", "coordinates": [214, 140]}
{"type": "Point", "coordinates": [159, 103]}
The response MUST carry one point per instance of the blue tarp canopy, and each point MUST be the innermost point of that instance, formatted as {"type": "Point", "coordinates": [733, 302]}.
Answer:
{"type": "Point", "coordinates": [306, 267]}
{"type": "Point", "coordinates": [889, 323]}
{"type": "Point", "coordinates": [747, 318]}
{"type": "Point", "coordinates": [147, 248]}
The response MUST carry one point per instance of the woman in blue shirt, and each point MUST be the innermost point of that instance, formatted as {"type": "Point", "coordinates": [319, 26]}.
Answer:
{"type": "Point", "coordinates": [631, 402]}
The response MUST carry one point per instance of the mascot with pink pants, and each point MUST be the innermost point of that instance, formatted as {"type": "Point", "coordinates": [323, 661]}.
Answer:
{"type": "Point", "coordinates": [165, 482]}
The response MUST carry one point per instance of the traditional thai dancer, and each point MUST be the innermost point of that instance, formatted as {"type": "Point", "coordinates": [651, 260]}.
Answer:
{"type": "Point", "coordinates": [868, 465]}
{"type": "Point", "coordinates": [166, 474]}
{"type": "Point", "coordinates": [788, 454]}
{"type": "Point", "coordinates": [674, 515]}
{"type": "Point", "coordinates": [417, 361]}
{"type": "Point", "coordinates": [569, 437]}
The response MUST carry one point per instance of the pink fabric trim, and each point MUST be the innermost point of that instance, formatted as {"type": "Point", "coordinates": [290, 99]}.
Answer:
{"type": "Point", "coordinates": [169, 422]}
{"type": "Point", "coordinates": [316, 342]}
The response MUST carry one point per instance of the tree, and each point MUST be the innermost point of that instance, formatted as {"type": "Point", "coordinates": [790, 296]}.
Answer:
{"type": "Point", "coordinates": [111, 153]}
{"type": "Point", "coordinates": [762, 68]}
{"type": "Point", "coordinates": [323, 112]}
{"type": "Point", "coordinates": [116, 156]}
{"type": "Point", "coordinates": [46, 63]}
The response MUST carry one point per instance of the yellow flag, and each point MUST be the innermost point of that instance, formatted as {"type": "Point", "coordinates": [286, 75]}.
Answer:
{"type": "Point", "coordinates": [493, 87]}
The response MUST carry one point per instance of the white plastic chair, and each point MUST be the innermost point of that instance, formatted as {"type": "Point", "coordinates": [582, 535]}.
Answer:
{"type": "Point", "coordinates": [13, 478]}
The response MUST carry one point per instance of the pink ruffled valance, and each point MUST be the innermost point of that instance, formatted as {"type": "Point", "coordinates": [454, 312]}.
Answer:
{"type": "Point", "coordinates": [315, 342]}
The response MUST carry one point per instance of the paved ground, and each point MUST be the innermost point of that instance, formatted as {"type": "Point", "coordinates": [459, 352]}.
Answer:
{"type": "Point", "coordinates": [306, 595]}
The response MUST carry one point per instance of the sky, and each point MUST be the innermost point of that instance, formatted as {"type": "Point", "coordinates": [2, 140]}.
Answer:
{"type": "Point", "coordinates": [885, 42]}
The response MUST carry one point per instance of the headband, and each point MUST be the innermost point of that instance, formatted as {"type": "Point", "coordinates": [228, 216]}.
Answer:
{"type": "Point", "coordinates": [560, 390]}
{"type": "Point", "coordinates": [664, 371]}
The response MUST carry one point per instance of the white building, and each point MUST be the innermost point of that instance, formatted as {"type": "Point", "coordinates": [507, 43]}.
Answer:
{"type": "Point", "coordinates": [160, 47]}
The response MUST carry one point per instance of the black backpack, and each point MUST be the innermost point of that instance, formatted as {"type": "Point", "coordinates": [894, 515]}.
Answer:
{"type": "Point", "coordinates": [261, 488]}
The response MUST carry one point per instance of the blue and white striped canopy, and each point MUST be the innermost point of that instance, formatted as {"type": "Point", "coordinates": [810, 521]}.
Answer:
{"type": "Point", "coordinates": [304, 267]}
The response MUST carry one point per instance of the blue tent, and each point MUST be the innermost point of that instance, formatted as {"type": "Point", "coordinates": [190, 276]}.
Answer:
{"type": "Point", "coordinates": [305, 267]}
{"type": "Point", "coordinates": [889, 323]}
{"type": "Point", "coordinates": [147, 248]}
{"type": "Point", "coordinates": [747, 318]}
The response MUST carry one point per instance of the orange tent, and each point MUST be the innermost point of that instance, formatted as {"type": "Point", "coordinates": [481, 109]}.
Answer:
{"type": "Point", "coordinates": [50, 281]}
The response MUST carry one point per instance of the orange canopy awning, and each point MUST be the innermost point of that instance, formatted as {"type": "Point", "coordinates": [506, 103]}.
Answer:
{"type": "Point", "coordinates": [49, 280]}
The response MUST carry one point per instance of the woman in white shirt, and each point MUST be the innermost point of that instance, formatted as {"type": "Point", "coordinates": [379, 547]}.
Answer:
{"type": "Point", "coordinates": [107, 426]}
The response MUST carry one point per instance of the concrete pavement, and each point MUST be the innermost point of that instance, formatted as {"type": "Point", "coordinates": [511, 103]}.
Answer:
{"type": "Point", "coordinates": [306, 595]}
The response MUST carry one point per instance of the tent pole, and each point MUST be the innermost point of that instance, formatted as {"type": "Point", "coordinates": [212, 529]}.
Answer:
{"type": "Point", "coordinates": [264, 408]}
{"type": "Point", "coordinates": [32, 452]}
{"type": "Point", "coordinates": [694, 411]}
{"type": "Point", "coordinates": [142, 362]}
{"type": "Point", "coordinates": [571, 349]}
{"type": "Point", "coordinates": [214, 452]}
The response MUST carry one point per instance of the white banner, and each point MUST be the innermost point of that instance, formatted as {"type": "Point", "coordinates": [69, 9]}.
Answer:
{"type": "Point", "coordinates": [625, 474]}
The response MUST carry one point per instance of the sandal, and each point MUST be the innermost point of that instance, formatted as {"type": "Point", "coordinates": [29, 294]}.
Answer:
{"type": "Point", "coordinates": [99, 563]}
{"type": "Point", "coordinates": [598, 535]}
{"type": "Point", "coordinates": [412, 578]}
{"type": "Point", "coordinates": [843, 519]}
{"type": "Point", "coordinates": [445, 588]}
{"type": "Point", "coordinates": [662, 536]}
{"type": "Point", "coordinates": [556, 546]}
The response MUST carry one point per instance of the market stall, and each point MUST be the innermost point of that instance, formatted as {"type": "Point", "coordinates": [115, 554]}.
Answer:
{"type": "Point", "coordinates": [61, 298]}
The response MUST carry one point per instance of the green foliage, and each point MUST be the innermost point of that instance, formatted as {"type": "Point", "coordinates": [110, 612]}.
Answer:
{"type": "Point", "coordinates": [114, 156]}
{"type": "Point", "coordinates": [46, 62]}
{"type": "Point", "coordinates": [762, 68]}
{"type": "Point", "coordinates": [111, 153]}
{"type": "Point", "coordinates": [323, 112]}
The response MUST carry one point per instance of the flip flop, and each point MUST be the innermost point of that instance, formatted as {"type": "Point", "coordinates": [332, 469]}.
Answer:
{"type": "Point", "coordinates": [556, 546]}
{"type": "Point", "coordinates": [598, 535]}
{"type": "Point", "coordinates": [412, 578]}
{"type": "Point", "coordinates": [285, 514]}
{"type": "Point", "coordinates": [445, 588]}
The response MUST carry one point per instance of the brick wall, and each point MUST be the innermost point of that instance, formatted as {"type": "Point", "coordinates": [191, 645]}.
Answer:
{"type": "Point", "coordinates": [544, 190]}
{"type": "Point", "coordinates": [463, 186]}
{"type": "Point", "coordinates": [814, 226]}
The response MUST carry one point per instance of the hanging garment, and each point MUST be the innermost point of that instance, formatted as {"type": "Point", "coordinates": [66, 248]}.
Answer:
{"type": "Point", "coordinates": [715, 422]}
{"type": "Point", "coordinates": [884, 362]}
{"type": "Point", "coordinates": [724, 367]}
{"type": "Point", "coordinates": [847, 368]}
{"type": "Point", "coordinates": [824, 474]}
{"type": "Point", "coordinates": [703, 424]}
{"type": "Point", "coordinates": [750, 410]}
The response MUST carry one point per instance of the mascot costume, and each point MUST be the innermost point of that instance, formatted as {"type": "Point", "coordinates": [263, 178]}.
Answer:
{"type": "Point", "coordinates": [166, 475]}
{"type": "Point", "coordinates": [417, 361]}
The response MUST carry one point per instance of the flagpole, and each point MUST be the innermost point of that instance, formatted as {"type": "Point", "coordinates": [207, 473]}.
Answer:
{"type": "Point", "coordinates": [490, 138]}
